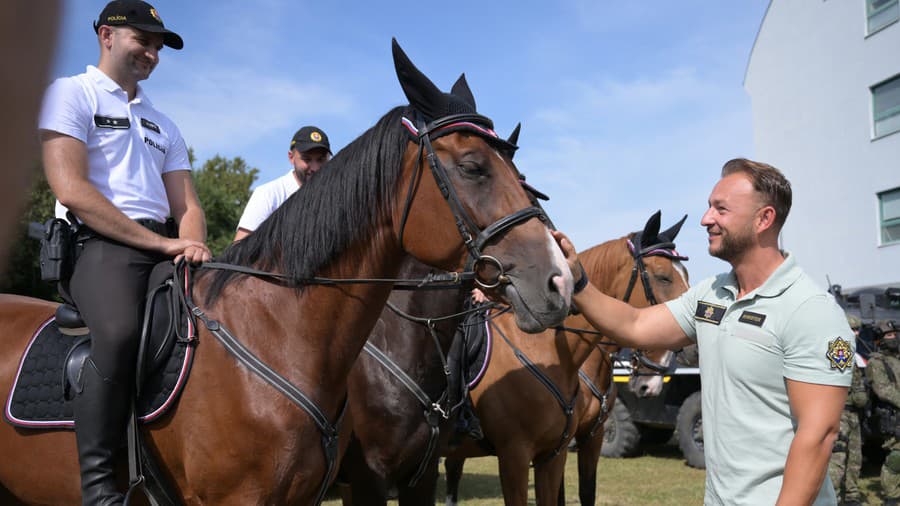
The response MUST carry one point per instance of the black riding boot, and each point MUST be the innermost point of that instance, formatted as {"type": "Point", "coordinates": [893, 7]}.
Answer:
{"type": "Point", "coordinates": [101, 412]}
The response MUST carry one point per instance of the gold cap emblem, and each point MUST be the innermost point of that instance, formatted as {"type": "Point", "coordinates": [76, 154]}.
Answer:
{"type": "Point", "coordinates": [155, 15]}
{"type": "Point", "coordinates": [316, 136]}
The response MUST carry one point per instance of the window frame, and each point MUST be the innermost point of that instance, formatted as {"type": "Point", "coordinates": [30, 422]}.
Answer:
{"type": "Point", "coordinates": [870, 13]}
{"type": "Point", "coordinates": [876, 117]}
{"type": "Point", "coordinates": [884, 223]}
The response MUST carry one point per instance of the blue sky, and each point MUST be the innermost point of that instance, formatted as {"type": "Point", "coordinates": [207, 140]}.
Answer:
{"type": "Point", "coordinates": [626, 107]}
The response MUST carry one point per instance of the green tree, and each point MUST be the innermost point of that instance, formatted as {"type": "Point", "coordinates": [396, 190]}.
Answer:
{"type": "Point", "coordinates": [223, 186]}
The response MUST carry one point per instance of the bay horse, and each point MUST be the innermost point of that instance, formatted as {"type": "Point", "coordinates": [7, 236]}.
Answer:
{"type": "Point", "coordinates": [400, 405]}
{"type": "Point", "coordinates": [531, 400]}
{"type": "Point", "coordinates": [233, 439]}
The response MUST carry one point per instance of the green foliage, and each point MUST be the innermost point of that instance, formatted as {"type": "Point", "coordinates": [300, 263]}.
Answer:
{"type": "Point", "coordinates": [22, 275]}
{"type": "Point", "coordinates": [223, 186]}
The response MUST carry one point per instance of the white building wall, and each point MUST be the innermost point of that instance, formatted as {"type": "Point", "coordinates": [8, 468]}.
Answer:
{"type": "Point", "coordinates": [809, 80]}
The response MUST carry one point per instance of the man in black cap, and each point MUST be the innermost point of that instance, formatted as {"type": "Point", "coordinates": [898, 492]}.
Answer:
{"type": "Point", "coordinates": [120, 168]}
{"type": "Point", "coordinates": [308, 152]}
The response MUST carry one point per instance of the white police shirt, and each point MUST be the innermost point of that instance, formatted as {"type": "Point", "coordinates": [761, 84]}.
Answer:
{"type": "Point", "coordinates": [266, 199]}
{"type": "Point", "coordinates": [130, 145]}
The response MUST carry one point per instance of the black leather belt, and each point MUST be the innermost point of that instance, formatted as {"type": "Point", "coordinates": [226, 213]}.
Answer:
{"type": "Point", "coordinates": [167, 229]}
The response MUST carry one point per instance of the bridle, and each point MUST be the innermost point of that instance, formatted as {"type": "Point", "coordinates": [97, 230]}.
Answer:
{"type": "Point", "coordinates": [472, 235]}
{"type": "Point", "coordinates": [664, 249]}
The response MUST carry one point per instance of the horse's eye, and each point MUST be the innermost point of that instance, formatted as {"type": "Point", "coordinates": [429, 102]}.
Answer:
{"type": "Point", "coordinates": [472, 168]}
{"type": "Point", "coordinates": [663, 279]}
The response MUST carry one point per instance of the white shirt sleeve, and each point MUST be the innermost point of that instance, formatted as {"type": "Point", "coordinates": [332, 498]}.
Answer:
{"type": "Point", "coordinates": [257, 210]}
{"type": "Point", "coordinates": [177, 156]}
{"type": "Point", "coordinates": [66, 109]}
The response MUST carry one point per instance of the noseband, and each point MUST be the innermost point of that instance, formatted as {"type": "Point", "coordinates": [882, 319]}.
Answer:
{"type": "Point", "coordinates": [664, 249]}
{"type": "Point", "coordinates": [473, 237]}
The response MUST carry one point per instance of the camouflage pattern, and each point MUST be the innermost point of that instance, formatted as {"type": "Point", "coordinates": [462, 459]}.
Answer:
{"type": "Point", "coordinates": [883, 373]}
{"type": "Point", "coordinates": [846, 458]}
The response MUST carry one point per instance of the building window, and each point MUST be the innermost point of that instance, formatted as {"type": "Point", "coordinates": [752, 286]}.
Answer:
{"type": "Point", "coordinates": [881, 13]}
{"type": "Point", "coordinates": [889, 202]}
{"type": "Point", "coordinates": [886, 106]}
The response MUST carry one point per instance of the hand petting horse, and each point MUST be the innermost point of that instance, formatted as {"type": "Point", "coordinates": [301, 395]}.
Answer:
{"type": "Point", "coordinates": [258, 421]}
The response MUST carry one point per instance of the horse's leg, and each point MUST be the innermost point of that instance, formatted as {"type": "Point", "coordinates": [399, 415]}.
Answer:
{"type": "Point", "coordinates": [453, 468]}
{"type": "Point", "coordinates": [548, 480]}
{"type": "Point", "coordinates": [588, 456]}
{"type": "Point", "coordinates": [367, 488]}
{"type": "Point", "coordinates": [425, 490]}
{"type": "Point", "coordinates": [514, 478]}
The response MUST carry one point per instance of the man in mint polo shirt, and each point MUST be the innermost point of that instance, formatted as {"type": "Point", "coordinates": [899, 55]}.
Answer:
{"type": "Point", "coordinates": [776, 353]}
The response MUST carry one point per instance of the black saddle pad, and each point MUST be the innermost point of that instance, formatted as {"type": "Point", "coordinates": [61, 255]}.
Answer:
{"type": "Point", "coordinates": [37, 399]}
{"type": "Point", "coordinates": [471, 347]}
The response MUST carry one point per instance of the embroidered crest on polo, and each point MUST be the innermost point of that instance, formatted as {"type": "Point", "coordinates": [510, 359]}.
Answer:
{"type": "Point", "coordinates": [708, 312]}
{"type": "Point", "coordinates": [839, 354]}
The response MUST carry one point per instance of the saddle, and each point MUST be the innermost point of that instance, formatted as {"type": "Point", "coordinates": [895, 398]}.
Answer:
{"type": "Point", "coordinates": [51, 362]}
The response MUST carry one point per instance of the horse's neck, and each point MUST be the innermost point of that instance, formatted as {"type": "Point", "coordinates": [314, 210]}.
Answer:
{"type": "Point", "coordinates": [311, 336]}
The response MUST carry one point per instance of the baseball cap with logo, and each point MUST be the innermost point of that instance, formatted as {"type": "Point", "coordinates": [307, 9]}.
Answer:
{"type": "Point", "coordinates": [140, 15]}
{"type": "Point", "coordinates": [310, 137]}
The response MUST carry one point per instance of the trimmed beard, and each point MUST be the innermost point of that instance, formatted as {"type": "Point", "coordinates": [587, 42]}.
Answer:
{"type": "Point", "coordinates": [733, 246]}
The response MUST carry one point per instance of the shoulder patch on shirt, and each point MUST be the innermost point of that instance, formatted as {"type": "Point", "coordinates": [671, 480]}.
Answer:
{"type": "Point", "coordinates": [839, 354]}
{"type": "Point", "coordinates": [146, 123]}
{"type": "Point", "coordinates": [707, 312]}
{"type": "Point", "coordinates": [108, 122]}
{"type": "Point", "coordinates": [752, 318]}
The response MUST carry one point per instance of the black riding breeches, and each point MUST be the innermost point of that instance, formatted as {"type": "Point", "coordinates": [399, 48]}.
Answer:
{"type": "Point", "coordinates": [109, 286]}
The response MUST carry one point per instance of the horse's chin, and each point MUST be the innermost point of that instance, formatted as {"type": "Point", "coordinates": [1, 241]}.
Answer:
{"type": "Point", "coordinates": [537, 312]}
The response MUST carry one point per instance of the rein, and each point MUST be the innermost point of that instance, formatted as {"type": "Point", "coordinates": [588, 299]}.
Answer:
{"type": "Point", "coordinates": [447, 280]}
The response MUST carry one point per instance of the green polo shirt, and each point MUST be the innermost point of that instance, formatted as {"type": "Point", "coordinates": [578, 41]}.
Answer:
{"type": "Point", "coordinates": [786, 328]}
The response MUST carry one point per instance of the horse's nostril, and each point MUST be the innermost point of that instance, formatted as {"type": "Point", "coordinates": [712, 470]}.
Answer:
{"type": "Point", "coordinates": [557, 283]}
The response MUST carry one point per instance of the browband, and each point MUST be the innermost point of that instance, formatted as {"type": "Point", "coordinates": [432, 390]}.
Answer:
{"type": "Point", "coordinates": [664, 249]}
{"type": "Point", "coordinates": [470, 122]}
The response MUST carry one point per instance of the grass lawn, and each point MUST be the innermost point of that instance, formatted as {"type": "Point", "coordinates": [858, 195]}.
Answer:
{"type": "Point", "coordinates": [658, 477]}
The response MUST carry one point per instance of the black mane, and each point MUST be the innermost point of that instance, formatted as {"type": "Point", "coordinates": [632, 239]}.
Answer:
{"type": "Point", "coordinates": [336, 207]}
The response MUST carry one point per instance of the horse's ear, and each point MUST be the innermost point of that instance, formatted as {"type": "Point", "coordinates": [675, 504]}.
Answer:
{"type": "Point", "coordinates": [651, 230]}
{"type": "Point", "coordinates": [670, 234]}
{"type": "Point", "coordinates": [461, 90]}
{"type": "Point", "coordinates": [419, 90]}
{"type": "Point", "coordinates": [514, 136]}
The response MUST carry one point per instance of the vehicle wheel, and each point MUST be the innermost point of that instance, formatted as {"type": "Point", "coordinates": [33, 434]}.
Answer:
{"type": "Point", "coordinates": [689, 425]}
{"type": "Point", "coordinates": [655, 435]}
{"type": "Point", "coordinates": [620, 435]}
